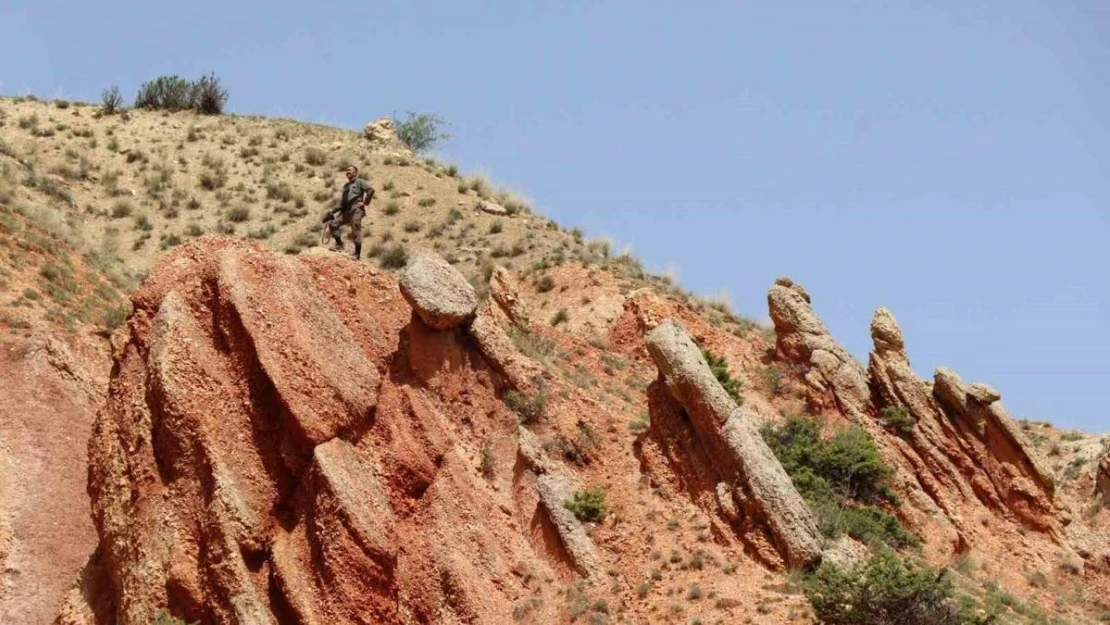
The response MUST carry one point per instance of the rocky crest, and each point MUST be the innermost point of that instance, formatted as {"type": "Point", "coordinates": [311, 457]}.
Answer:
{"type": "Point", "coordinates": [957, 442]}
{"type": "Point", "coordinates": [273, 451]}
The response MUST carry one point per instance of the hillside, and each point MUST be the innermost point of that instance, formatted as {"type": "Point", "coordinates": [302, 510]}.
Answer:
{"type": "Point", "coordinates": [293, 437]}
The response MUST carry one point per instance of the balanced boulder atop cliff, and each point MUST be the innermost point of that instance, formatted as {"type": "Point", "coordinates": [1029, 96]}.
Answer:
{"type": "Point", "coordinates": [438, 293]}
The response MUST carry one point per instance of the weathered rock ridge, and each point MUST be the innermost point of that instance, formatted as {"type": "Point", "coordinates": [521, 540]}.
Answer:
{"type": "Point", "coordinates": [286, 442]}
{"type": "Point", "coordinates": [753, 479]}
{"type": "Point", "coordinates": [956, 441]}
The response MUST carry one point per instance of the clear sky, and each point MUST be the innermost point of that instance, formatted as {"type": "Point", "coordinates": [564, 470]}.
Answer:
{"type": "Point", "coordinates": [950, 163]}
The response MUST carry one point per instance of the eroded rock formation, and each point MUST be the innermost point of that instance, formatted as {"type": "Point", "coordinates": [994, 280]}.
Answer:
{"type": "Point", "coordinates": [831, 372]}
{"type": "Point", "coordinates": [755, 482]}
{"type": "Point", "coordinates": [957, 442]}
{"type": "Point", "coordinates": [281, 444]}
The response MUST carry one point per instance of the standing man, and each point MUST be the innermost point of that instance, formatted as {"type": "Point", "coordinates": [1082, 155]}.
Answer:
{"type": "Point", "coordinates": [357, 193]}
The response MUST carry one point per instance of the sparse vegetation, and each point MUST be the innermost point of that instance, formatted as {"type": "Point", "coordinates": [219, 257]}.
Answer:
{"type": "Point", "coordinates": [587, 505]}
{"type": "Point", "coordinates": [394, 258]}
{"type": "Point", "coordinates": [111, 100]}
{"type": "Point", "coordinates": [887, 589]}
{"type": "Point", "coordinates": [238, 214]}
{"type": "Point", "coordinates": [315, 157]}
{"type": "Point", "coordinates": [173, 93]}
{"type": "Point", "coordinates": [719, 367]}
{"type": "Point", "coordinates": [898, 420]}
{"type": "Point", "coordinates": [487, 461]}
{"type": "Point", "coordinates": [529, 407]}
{"type": "Point", "coordinates": [843, 478]}
{"type": "Point", "coordinates": [121, 209]}
{"type": "Point", "coordinates": [560, 317]}
{"type": "Point", "coordinates": [421, 132]}
{"type": "Point", "coordinates": [163, 617]}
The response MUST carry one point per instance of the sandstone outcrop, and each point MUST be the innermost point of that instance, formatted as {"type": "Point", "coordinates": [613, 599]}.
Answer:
{"type": "Point", "coordinates": [279, 445]}
{"type": "Point", "coordinates": [801, 337]}
{"type": "Point", "coordinates": [956, 442]}
{"type": "Point", "coordinates": [382, 132]}
{"type": "Point", "coordinates": [437, 291]}
{"type": "Point", "coordinates": [758, 483]}
{"type": "Point", "coordinates": [962, 434]}
{"type": "Point", "coordinates": [491, 208]}
{"type": "Point", "coordinates": [521, 372]}
{"type": "Point", "coordinates": [555, 487]}
{"type": "Point", "coordinates": [505, 291]}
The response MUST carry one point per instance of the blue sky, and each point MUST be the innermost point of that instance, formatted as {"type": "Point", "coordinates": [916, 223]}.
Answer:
{"type": "Point", "coordinates": [950, 163]}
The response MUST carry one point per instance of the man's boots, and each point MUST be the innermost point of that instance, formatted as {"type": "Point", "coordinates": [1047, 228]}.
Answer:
{"type": "Point", "coordinates": [338, 243]}
{"type": "Point", "coordinates": [358, 251]}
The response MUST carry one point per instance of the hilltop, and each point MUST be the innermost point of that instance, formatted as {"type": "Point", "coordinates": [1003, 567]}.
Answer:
{"type": "Point", "coordinates": [279, 434]}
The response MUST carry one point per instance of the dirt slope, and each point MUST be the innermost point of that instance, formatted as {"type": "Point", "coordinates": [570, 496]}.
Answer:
{"type": "Point", "coordinates": [54, 366]}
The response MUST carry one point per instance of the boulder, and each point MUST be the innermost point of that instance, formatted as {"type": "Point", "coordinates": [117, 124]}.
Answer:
{"type": "Point", "coordinates": [381, 130]}
{"type": "Point", "coordinates": [492, 208]}
{"type": "Point", "coordinates": [437, 291]}
{"type": "Point", "coordinates": [735, 445]}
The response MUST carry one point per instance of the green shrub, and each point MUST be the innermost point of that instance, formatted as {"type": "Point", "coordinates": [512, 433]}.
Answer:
{"type": "Point", "coordinates": [213, 179]}
{"type": "Point", "coordinates": [173, 93]}
{"type": "Point", "coordinates": [208, 97]}
{"type": "Point", "coordinates": [167, 93]}
{"type": "Point", "coordinates": [898, 419]}
{"type": "Point", "coordinates": [587, 505]}
{"type": "Point", "coordinates": [280, 191]}
{"type": "Point", "coordinates": [719, 367]}
{"type": "Point", "coordinates": [412, 226]}
{"type": "Point", "coordinates": [395, 257]}
{"type": "Point", "coordinates": [545, 284]}
{"type": "Point", "coordinates": [529, 408]}
{"type": "Point", "coordinates": [426, 202]}
{"type": "Point", "coordinates": [315, 157]}
{"type": "Point", "coordinates": [560, 317]}
{"type": "Point", "coordinates": [115, 316]}
{"type": "Point", "coordinates": [842, 478]}
{"type": "Point", "coordinates": [885, 590]}
{"type": "Point", "coordinates": [392, 208]}
{"type": "Point", "coordinates": [421, 132]}
{"type": "Point", "coordinates": [238, 214]}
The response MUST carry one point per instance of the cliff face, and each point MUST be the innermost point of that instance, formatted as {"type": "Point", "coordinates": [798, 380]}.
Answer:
{"type": "Point", "coordinates": [307, 440]}
{"type": "Point", "coordinates": [284, 442]}
{"type": "Point", "coordinates": [54, 370]}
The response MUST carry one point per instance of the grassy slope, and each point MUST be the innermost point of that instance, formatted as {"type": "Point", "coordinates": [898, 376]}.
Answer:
{"type": "Point", "coordinates": [125, 188]}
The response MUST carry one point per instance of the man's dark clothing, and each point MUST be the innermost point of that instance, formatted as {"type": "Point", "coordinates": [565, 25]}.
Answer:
{"type": "Point", "coordinates": [352, 217]}
{"type": "Point", "coordinates": [351, 211]}
{"type": "Point", "coordinates": [353, 192]}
